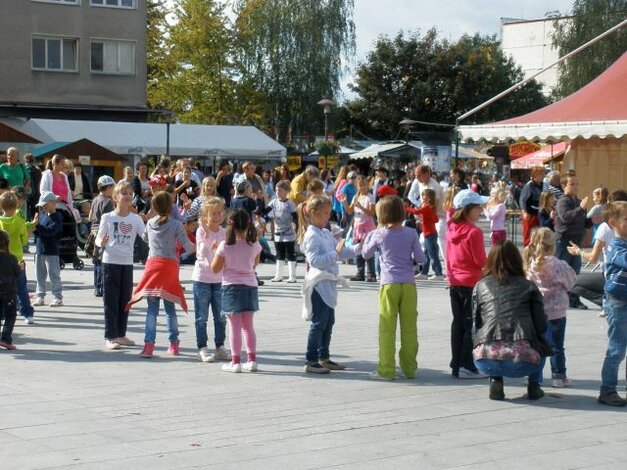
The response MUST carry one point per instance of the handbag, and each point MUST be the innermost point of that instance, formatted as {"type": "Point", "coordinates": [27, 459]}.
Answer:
{"type": "Point", "coordinates": [91, 250]}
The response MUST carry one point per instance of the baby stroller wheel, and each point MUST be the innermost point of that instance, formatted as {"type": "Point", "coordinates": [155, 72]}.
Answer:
{"type": "Point", "coordinates": [78, 264]}
{"type": "Point", "coordinates": [61, 264]}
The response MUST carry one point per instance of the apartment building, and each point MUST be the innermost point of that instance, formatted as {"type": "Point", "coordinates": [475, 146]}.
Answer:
{"type": "Point", "coordinates": [73, 59]}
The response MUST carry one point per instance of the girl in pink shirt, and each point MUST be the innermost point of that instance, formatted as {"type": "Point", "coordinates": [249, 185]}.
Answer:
{"type": "Point", "coordinates": [237, 256]}
{"type": "Point", "coordinates": [495, 213]}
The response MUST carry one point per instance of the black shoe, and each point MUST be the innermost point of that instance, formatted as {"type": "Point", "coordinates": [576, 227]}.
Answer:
{"type": "Point", "coordinates": [496, 390]}
{"type": "Point", "coordinates": [97, 293]}
{"type": "Point", "coordinates": [579, 306]}
{"type": "Point", "coordinates": [260, 282]}
{"type": "Point", "coordinates": [534, 392]}
{"type": "Point", "coordinates": [358, 278]}
{"type": "Point", "coordinates": [611, 399]}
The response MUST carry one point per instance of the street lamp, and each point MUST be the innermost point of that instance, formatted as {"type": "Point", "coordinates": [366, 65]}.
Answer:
{"type": "Point", "coordinates": [328, 104]}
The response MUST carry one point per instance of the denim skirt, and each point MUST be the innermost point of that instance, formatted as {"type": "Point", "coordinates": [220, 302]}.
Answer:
{"type": "Point", "coordinates": [238, 298]}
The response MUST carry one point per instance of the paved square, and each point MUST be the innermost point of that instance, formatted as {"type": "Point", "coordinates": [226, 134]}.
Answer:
{"type": "Point", "coordinates": [68, 403]}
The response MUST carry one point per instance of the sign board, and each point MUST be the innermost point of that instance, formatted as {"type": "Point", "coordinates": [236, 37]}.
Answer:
{"type": "Point", "coordinates": [322, 162]}
{"type": "Point", "coordinates": [84, 160]}
{"type": "Point", "coordinates": [333, 160]}
{"type": "Point", "coordinates": [520, 149]}
{"type": "Point", "coordinates": [294, 162]}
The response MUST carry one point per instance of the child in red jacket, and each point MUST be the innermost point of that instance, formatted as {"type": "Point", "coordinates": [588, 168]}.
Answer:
{"type": "Point", "coordinates": [429, 218]}
{"type": "Point", "coordinates": [465, 257]}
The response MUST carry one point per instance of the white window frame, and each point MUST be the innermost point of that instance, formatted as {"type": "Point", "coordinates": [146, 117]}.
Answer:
{"type": "Point", "coordinates": [72, 3]}
{"type": "Point", "coordinates": [119, 5]}
{"type": "Point", "coordinates": [48, 37]}
{"type": "Point", "coordinates": [117, 41]}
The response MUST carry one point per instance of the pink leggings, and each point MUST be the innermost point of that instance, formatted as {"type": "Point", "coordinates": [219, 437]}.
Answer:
{"type": "Point", "coordinates": [239, 322]}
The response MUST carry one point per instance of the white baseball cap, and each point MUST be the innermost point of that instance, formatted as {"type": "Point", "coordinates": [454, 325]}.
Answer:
{"type": "Point", "coordinates": [105, 180]}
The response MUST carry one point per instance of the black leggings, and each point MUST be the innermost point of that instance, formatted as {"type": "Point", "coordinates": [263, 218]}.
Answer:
{"type": "Point", "coordinates": [285, 250]}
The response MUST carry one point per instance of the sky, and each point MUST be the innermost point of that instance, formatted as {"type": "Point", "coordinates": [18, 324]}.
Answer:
{"type": "Point", "coordinates": [452, 19]}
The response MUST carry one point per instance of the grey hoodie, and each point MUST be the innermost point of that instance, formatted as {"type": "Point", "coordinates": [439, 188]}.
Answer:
{"type": "Point", "coordinates": [162, 238]}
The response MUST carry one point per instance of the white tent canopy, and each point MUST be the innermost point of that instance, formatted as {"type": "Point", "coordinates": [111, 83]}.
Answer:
{"type": "Point", "coordinates": [378, 149]}
{"type": "Point", "coordinates": [129, 138]}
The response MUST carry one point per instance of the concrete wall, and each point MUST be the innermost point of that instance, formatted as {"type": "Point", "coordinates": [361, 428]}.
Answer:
{"type": "Point", "coordinates": [20, 19]}
{"type": "Point", "coordinates": [530, 45]}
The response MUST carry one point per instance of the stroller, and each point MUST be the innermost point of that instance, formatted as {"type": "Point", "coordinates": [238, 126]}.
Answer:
{"type": "Point", "coordinates": [69, 240]}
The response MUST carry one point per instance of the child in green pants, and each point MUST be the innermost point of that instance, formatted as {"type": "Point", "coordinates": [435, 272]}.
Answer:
{"type": "Point", "coordinates": [399, 249]}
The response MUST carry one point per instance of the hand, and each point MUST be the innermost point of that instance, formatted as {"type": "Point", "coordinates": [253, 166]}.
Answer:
{"type": "Point", "coordinates": [525, 216]}
{"type": "Point", "coordinates": [187, 204]}
{"type": "Point", "coordinates": [105, 240]}
{"type": "Point", "coordinates": [340, 246]}
{"type": "Point", "coordinates": [584, 203]}
{"type": "Point", "coordinates": [22, 265]}
{"type": "Point", "coordinates": [36, 218]}
{"type": "Point", "coordinates": [573, 249]}
{"type": "Point", "coordinates": [183, 197]}
{"type": "Point", "coordinates": [214, 245]}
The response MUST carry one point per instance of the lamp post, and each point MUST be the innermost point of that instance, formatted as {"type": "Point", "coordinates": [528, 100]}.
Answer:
{"type": "Point", "coordinates": [328, 104]}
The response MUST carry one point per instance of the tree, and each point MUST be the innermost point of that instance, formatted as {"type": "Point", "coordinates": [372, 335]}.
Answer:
{"type": "Point", "coordinates": [290, 52]}
{"type": "Point", "coordinates": [158, 62]}
{"type": "Point", "coordinates": [430, 79]}
{"type": "Point", "coordinates": [589, 19]}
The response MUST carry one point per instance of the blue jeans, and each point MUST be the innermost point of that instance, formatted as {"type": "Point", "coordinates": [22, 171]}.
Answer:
{"type": "Point", "coordinates": [320, 329]}
{"type": "Point", "coordinates": [151, 320]}
{"type": "Point", "coordinates": [495, 368]}
{"type": "Point", "coordinates": [616, 311]}
{"type": "Point", "coordinates": [23, 300]}
{"type": "Point", "coordinates": [48, 265]}
{"type": "Point", "coordinates": [573, 261]}
{"type": "Point", "coordinates": [556, 333]}
{"type": "Point", "coordinates": [97, 275]}
{"type": "Point", "coordinates": [432, 255]}
{"type": "Point", "coordinates": [206, 294]}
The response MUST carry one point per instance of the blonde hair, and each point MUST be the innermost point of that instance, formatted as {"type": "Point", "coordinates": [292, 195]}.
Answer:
{"type": "Point", "coordinates": [315, 185]}
{"type": "Point", "coordinates": [313, 204]}
{"type": "Point", "coordinates": [498, 192]}
{"type": "Point", "coordinates": [542, 245]}
{"type": "Point", "coordinates": [390, 210]}
{"type": "Point", "coordinates": [451, 191]}
{"type": "Point", "coordinates": [119, 187]}
{"type": "Point", "coordinates": [210, 202]}
{"type": "Point", "coordinates": [545, 197]}
{"type": "Point", "coordinates": [603, 192]}
{"type": "Point", "coordinates": [8, 201]}
{"type": "Point", "coordinates": [206, 180]}
{"type": "Point", "coordinates": [362, 179]}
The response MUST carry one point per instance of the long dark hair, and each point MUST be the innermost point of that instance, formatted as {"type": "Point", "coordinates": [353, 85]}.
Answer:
{"type": "Point", "coordinates": [503, 261]}
{"type": "Point", "coordinates": [162, 205]}
{"type": "Point", "coordinates": [239, 221]}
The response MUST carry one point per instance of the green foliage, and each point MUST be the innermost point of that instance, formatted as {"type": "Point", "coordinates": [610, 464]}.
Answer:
{"type": "Point", "coordinates": [430, 79]}
{"type": "Point", "coordinates": [589, 19]}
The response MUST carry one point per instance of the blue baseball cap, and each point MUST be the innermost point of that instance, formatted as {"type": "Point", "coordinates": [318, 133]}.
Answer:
{"type": "Point", "coordinates": [468, 196]}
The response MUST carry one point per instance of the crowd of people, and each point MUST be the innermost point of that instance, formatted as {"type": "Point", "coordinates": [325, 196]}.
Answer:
{"type": "Point", "coordinates": [508, 309]}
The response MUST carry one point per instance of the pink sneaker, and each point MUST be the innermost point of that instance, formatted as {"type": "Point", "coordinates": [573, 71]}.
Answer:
{"type": "Point", "coordinates": [148, 350]}
{"type": "Point", "coordinates": [173, 348]}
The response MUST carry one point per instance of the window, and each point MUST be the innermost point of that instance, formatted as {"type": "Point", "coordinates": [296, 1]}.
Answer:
{"type": "Point", "coordinates": [67, 2]}
{"type": "Point", "coordinates": [113, 57]}
{"type": "Point", "coordinates": [113, 3]}
{"type": "Point", "coordinates": [55, 54]}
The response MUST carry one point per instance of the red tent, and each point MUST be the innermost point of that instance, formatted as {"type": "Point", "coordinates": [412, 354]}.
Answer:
{"type": "Point", "coordinates": [539, 157]}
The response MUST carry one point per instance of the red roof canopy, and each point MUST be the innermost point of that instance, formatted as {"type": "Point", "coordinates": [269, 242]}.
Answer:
{"type": "Point", "coordinates": [603, 99]}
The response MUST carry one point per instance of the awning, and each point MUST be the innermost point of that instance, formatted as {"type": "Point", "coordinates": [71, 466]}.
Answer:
{"type": "Point", "coordinates": [540, 157]}
{"type": "Point", "coordinates": [384, 150]}
{"type": "Point", "coordinates": [598, 109]}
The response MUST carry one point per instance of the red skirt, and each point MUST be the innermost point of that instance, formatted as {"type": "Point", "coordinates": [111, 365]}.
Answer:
{"type": "Point", "coordinates": [160, 279]}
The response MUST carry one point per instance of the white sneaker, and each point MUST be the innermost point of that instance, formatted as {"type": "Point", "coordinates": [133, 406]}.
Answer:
{"type": "Point", "coordinates": [560, 383]}
{"type": "Point", "coordinates": [436, 278]}
{"type": "Point", "coordinates": [222, 354]}
{"type": "Point", "coordinates": [602, 314]}
{"type": "Point", "coordinates": [230, 367]}
{"type": "Point", "coordinates": [39, 302]}
{"type": "Point", "coordinates": [277, 279]}
{"type": "Point", "coordinates": [250, 366]}
{"type": "Point", "coordinates": [291, 280]}
{"type": "Point", "coordinates": [56, 303]}
{"type": "Point", "coordinates": [28, 320]}
{"type": "Point", "coordinates": [111, 345]}
{"type": "Point", "coordinates": [468, 374]}
{"type": "Point", "coordinates": [422, 276]}
{"type": "Point", "coordinates": [205, 355]}
{"type": "Point", "coordinates": [374, 375]}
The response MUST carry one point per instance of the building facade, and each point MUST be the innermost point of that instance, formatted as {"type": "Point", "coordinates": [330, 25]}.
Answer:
{"type": "Point", "coordinates": [73, 59]}
{"type": "Point", "coordinates": [530, 44]}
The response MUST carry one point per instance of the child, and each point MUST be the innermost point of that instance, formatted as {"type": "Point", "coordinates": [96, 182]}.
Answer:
{"type": "Point", "coordinates": [399, 250]}
{"type": "Point", "coordinates": [362, 205]}
{"type": "Point", "coordinates": [242, 199]}
{"type": "Point", "coordinates": [207, 284]}
{"type": "Point", "coordinates": [555, 278]}
{"type": "Point", "coordinates": [17, 231]}
{"type": "Point", "coordinates": [465, 258]}
{"type": "Point", "coordinates": [509, 324]}
{"type": "Point", "coordinates": [9, 276]}
{"type": "Point", "coordinates": [48, 232]}
{"type": "Point", "coordinates": [190, 226]}
{"type": "Point", "coordinates": [449, 196]}
{"type": "Point", "coordinates": [283, 213]}
{"type": "Point", "coordinates": [237, 257]}
{"type": "Point", "coordinates": [319, 289]}
{"type": "Point", "coordinates": [116, 235]}
{"type": "Point", "coordinates": [101, 205]}
{"type": "Point", "coordinates": [495, 213]}
{"type": "Point", "coordinates": [599, 196]}
{"type": "Point", "coordinates": [429, 218]}
{"type": "Point", "coordinates": [615, 305]}
{"type": "Point", "coordinates": [160, 278]}
{"type": "Point", "coordinates": [546, 214]}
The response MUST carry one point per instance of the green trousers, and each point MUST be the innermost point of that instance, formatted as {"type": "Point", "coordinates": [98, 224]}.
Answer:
{"type": "Point", "coordinates": [398, 300]}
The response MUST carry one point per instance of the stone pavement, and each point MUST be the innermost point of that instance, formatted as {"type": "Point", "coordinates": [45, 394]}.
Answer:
{"type": "Point", "coordinates": [66, 403]}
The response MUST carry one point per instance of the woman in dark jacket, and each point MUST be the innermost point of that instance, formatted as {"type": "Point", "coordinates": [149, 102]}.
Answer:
{"type": "Point", "coordinates": [509, 323]}
{"type": "Point", "coordinates": [83, 189]}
